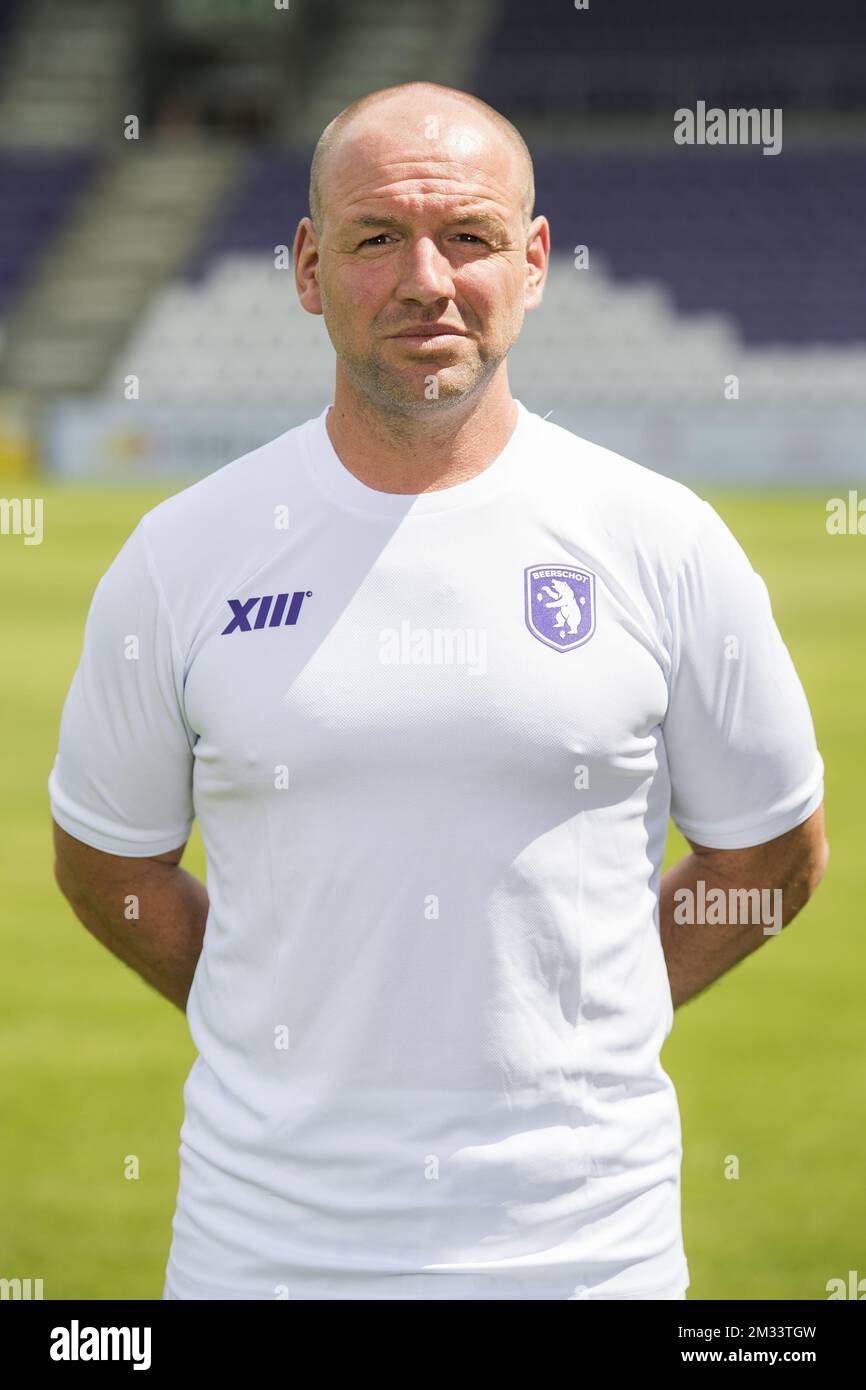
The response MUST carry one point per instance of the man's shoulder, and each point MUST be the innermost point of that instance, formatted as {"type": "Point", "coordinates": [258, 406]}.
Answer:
{"type": "Point", "coordinates": [212, 533]}
{"type": "Point", "coordinates": [638, 520]}
{"type": "Point", "coordinates": [226, 502]}
{"type": "Point", "coordinates": [602, 472]}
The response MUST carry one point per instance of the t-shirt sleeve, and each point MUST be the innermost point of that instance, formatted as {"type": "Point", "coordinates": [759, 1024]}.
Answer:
{"type": "Point", "coordinates": [122, 777]}
{"type": "Point", "coordinates": [742, 755]}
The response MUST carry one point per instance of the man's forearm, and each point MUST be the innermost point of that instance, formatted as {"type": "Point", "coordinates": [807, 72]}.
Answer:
{"type": "Point", "coordinates": [704, 933]}
{"type": "Point", "coordinates": [698, 952]}
{"type": "Point", "coordinates": [151, 915]}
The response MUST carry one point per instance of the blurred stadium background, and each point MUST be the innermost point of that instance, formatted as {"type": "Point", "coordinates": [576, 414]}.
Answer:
{"type": "Point", "coordinates": [154, 162]}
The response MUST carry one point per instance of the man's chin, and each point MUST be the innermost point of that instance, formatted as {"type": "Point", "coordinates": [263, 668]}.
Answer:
{"type": "Point", "coordinates": [417, 392]}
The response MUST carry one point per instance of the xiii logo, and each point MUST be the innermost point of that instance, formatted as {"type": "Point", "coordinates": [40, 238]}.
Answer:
{"type": "Point", "coordinates": [560, 605]}
{"type": "Point", "coordinates": [281, 610]}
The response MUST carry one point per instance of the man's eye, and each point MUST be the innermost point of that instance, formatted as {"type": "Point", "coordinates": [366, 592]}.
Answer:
{"type": "Point", "coordinates": [371, 240]}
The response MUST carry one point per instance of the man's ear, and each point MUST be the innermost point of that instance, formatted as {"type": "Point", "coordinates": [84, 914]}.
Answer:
{"type": "Point", "coordinates": [537, 261]}
{"type": "Point", "coordinates": [305, 258]}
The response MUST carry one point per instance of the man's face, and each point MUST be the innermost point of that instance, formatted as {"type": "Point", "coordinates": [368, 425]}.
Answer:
{"type": "Point", "coordinates": [425, 233]}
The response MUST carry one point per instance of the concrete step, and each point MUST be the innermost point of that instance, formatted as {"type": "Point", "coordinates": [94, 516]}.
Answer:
{"type": "Point", "coordinates": [135, 229]}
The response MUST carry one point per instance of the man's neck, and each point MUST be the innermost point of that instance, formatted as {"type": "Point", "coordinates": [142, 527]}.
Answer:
{"type": "Point", "coordinates": [420, 453]}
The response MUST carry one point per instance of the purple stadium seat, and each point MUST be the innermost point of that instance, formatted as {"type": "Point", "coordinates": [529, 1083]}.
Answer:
{"type": "Point", "coordinates": [37, 191]}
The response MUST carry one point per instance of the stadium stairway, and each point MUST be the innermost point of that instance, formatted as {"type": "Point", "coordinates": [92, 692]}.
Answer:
{"type": "Point", "coordinates": [378, 44]}
{"type": "Point", "coordinates": [130, 233]}
{"type": "Point", "coordinates": [66, 72]}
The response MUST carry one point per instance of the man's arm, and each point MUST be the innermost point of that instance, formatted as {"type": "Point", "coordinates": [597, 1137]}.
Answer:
{"type": "Point", "coordinates": [160, 934]}
{"type": "Point", "coordinates": [698, 953]}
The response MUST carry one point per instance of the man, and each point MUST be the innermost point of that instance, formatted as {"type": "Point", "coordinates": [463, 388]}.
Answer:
{"type": "Point", "coordinates": [431, 672]}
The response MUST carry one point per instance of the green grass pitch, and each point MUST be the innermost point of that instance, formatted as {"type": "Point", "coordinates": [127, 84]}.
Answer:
{"type": "Point", "coordinates": [768, 1064]}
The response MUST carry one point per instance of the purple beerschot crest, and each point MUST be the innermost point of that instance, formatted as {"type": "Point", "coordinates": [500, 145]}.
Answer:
{"type": "Point", "coordinates": [560, 605]}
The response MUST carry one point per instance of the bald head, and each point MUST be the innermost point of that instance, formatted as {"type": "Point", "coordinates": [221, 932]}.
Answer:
{"type": "Point", "coordinates": [425, 107]}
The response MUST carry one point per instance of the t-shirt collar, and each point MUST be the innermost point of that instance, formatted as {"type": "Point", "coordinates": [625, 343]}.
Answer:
{"type": "Point", "coordinates": [341, 487]}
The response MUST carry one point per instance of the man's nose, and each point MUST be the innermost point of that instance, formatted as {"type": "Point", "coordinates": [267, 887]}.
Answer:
{"type": "Point", "coordinates": [425, 272]}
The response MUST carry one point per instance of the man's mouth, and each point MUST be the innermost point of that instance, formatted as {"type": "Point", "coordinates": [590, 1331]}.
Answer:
{"type": "Point", "coordinates": [423, 331]}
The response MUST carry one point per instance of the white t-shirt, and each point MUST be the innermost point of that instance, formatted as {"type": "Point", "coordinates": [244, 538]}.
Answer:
{"type": "Point", "coordinates": [432, 743]}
